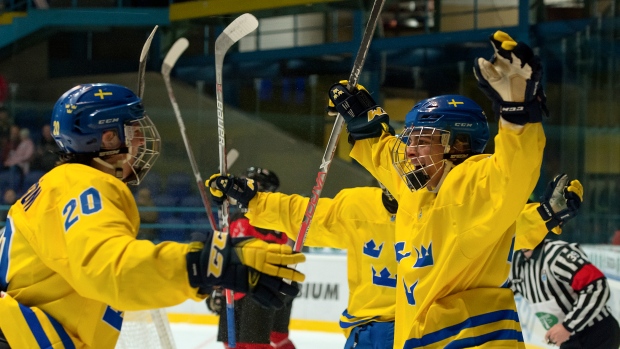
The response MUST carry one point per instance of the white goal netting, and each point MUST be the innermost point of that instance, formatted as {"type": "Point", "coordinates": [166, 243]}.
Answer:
{"type": "Point", "coordinates": [146, 329]}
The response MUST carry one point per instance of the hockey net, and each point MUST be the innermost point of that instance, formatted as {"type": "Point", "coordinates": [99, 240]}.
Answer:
{"type": "Point", "coordinates": [146, 329]}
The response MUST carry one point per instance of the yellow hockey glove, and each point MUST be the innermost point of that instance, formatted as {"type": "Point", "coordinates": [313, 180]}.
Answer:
{"type": "Point", "coordinates": [511, 80]}
{"type": "Point", "coordinates": [247, 265]}
{"type": "Point", "coordinates": [561, 201]}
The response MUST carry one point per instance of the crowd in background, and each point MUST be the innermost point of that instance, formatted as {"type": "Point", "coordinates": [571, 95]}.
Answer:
{"type": "Point", "coordinates": [24, 158]}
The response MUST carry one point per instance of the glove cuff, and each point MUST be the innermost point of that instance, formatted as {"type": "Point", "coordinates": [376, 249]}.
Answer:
{"type": "Point", "coordinates": [193, 268]}
{"type": "Point", "coordinates": [545, 211]}
{"type": "Point", "coordinates": [552, 223]}
{"type": "Point", "coordinates": [520, 113]}
{"type": "Point", "coordinates": [196, 249]}
{"type": "Point", "coordinates": [360, 128]}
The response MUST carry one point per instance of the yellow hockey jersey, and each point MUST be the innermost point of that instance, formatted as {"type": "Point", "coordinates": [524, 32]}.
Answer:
{"type": "Point", "coordinates": [355, 220]}
{"type": "Point", "coordinates": [451, 286]}
{"type": "Point", "coordinates": [70, 263]}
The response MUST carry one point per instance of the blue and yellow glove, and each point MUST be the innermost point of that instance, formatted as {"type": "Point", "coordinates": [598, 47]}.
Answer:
{"type": "Point", "coordinates": [364, 117]}
{"type": "Point", "coordinates": [511, 80]}
{"type": "Point", "coordinates": [247, 265]}
{"type": "Point", "coordinates": [561, 201]}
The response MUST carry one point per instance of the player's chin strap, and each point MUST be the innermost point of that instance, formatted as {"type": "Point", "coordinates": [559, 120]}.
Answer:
{"type": "Point", "coordinates": [99, 157]}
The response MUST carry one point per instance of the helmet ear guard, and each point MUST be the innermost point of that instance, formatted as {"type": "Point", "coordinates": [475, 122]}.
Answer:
{"type": "Point", "coordinates": [460, 149]}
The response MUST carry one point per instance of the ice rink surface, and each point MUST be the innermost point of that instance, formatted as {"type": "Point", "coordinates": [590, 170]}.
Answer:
{"type": "Point", "coordinates": [190, 336]}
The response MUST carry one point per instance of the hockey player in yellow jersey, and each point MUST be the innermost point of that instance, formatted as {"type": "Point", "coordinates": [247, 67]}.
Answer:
{"type": "Point", "coordinates": [360, 220]}
{"type": "Point", "coordinates": [457, 207]}
{"type": "Point", "coordinates": [70, 263]}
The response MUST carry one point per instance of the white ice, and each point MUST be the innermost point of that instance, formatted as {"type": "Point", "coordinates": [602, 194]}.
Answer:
{"type": "Point", "coordinates": [190, 336]}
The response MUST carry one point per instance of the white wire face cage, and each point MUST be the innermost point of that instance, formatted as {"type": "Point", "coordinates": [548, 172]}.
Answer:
{"type": "Point", "coordinates": [141, 134]}
{"type": "Point", "coordinates": [418, 155]}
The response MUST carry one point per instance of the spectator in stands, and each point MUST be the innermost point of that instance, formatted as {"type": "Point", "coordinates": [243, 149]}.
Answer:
{"type": "Point", "coordinates": [4, 88]}
{"type": "Point", "coordinates": [5, 131]}
{"type": "Point", "coordinates": [5, 124]}
{"type": "Point", "coordinates": [19, 159]}
{"type": "Point", "coordinates": [10, 144]}
{"type": "Point", "coordinates": [615, 239]}
{"type": "Point", "coordinates": [8, 199]}
{"type": "Point", "coordinates": [46, 156]}
{"type": "Point", "coordinates": [144, 199]}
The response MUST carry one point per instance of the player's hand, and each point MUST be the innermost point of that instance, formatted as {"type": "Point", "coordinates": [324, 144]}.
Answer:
{"type": "Point", "coordinates": [216, 300]}
{"type": "Point", "coordinates": [561, 201]}
{"type": "Point", "coordinates": [247, 265]}
{"type": "Point", "coordinates": [511, 80]}
{"type": "Point", "coordinates": [242, 190]}
{"type": "Point", "coordinates": [218, 196]}
{"type": "Point", "coordinates": [364, 117]}
{"type": "Point", "coordinates": [331, 107]}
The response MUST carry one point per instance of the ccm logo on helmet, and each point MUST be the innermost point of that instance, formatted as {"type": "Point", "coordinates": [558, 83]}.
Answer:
{"type": "Point", "coordinates": [108, 121]}
{"type": "Point", "coordinates": [463, 124]}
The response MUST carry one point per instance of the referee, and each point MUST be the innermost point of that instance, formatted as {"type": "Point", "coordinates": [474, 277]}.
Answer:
{"type": "Point", "coordinates": [568, 294]}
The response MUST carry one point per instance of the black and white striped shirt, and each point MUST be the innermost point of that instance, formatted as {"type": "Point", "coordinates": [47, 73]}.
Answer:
{"type": "Point", "coordinates": [560, 270]}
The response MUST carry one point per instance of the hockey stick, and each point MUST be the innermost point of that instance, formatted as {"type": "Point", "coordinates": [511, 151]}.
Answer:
{"type": "Point", "coordinates": [157, 315]}
{"type": "Point", "coordinates": [231, 157]}
{"type": "Point", "coordinates": [240, 27]}
{"type": "Point", "coordinates": [170, 60]}
{"type": "Point", "coordinates": [328, 156]}
{"type": "Point", "coordinates": [142, 67]}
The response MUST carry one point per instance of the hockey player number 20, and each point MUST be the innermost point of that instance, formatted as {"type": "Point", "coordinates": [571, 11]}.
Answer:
{"type": "Point", "coordinates": [89, 203]}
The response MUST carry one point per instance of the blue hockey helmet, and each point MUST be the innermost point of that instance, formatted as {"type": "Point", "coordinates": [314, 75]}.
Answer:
{"type": "Point", "coordinates": [459, 115]}
{"type": "Point", "coordinates": [82, 115]}
{"type": "Point", "coordinates": [454, 126]}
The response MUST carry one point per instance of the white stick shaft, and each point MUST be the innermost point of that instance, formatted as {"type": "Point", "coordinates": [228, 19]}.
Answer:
{"type": "Point", "coordinates": [142, 67]}
{"type": "Point", "coordinates": [240, 27]}
{"type": "Point", "coordinates": [169, 61]}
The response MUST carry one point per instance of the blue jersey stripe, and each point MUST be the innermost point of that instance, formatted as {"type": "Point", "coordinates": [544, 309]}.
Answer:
{"type": "Point", "coordinates": [356, 323]}
{"type": "Point", "coordinates": [7, 236]}
{"type": "Point", "coordinates": [345, 325]}
{"type": "Point", "coordinates": [62, 333]}
{"type": "Point", "coordinates": [454, 330]}
{"type": "Point", "coordinates": [35, 327]}
{"type": "Point", "coordinates": [485, 338]}
{"type": "Point", "coordinates": [113, 318]}
{"type": "Point", "coordinates": [346, 314]}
